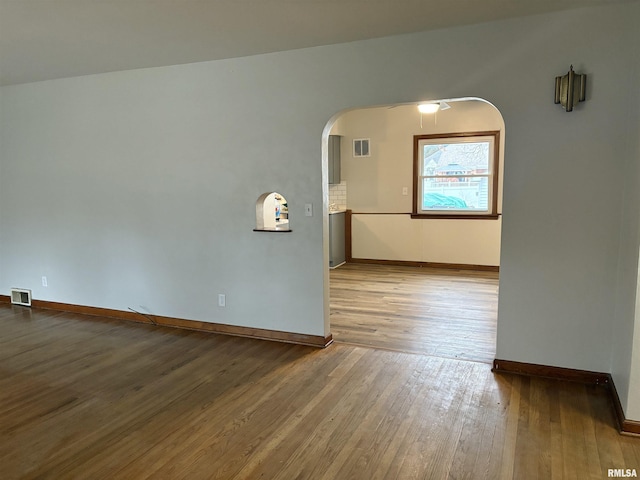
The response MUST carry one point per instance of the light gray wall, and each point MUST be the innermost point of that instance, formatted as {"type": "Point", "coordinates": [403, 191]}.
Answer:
{"type": "Point", "coordinates": [626, 335]}
{"type": "Point", "coordinates": [633, 398]}
{"type": "Point", "coordinates": [137, 189]}
{"type": "Point", "coordinates": [625, 305]}
{"type": "Point", "coordinates": [562, 255]}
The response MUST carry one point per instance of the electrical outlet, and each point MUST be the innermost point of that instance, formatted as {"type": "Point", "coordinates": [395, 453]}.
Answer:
{"type": "Point", "coordinates": [222, 300]}
{"type": "Point", "coordinates": [44, 282]}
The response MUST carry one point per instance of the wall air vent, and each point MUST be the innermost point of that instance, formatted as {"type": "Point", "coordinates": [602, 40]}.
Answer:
{"type": "Point", "coordinates": [361, 147]}
{"type": "Point", "coordinates": [21, 296]}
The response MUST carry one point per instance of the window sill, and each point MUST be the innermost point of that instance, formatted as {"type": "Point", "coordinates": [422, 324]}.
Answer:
{"type": "Point", "coordinates": [460, 216]}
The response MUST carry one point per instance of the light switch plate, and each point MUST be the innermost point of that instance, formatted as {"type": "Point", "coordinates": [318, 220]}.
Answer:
{"type": "Point", "coordinates": [308, 210]}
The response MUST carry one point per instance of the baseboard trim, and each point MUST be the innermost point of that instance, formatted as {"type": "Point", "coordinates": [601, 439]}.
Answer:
{"type": "Point", "coordinates": [448, 266]}
{"type": "Point", "coordinates": [546, 371]}
{"type": "Point", "coordinates": [625, 427]}
{"type": "Point", "coordinates": [630, 427]}
{"type": "Point", "coordinates": [249, 332]}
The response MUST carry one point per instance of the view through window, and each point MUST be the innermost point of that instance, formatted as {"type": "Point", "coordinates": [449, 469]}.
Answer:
{"type": "Point", "coordinates": [456, 174]}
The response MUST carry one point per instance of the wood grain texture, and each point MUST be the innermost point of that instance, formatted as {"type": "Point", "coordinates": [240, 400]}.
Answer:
{"type": "Point", "coordinates": [348, 236]}
{"type": "Point", "coordinates": [288, 337]}
{"type": "Point", "coordinates": [85, 397]}
{"type": "Point", "coordinates": [438, 312]}
{"type": "Point", "coordinates": [437, 265]}
{"type": "Point", "coordinates": [629, 427]}
{"type": "Point", "coordinates": [559, 373]}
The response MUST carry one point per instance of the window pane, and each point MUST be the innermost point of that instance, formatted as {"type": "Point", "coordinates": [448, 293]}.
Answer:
{"type": "Point", "coordinates": [455, 158]}
{"type": "Point", "coordinates": [456, 174]}
{"type": "Point", "coordinates": [455, 193]}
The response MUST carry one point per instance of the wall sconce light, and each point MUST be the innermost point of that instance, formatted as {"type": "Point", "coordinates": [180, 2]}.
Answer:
{"type": "Point", "coordinates": [570, 89]}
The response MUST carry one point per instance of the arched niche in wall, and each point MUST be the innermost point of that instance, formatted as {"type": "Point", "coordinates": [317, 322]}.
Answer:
{"type": "Point", "coordinates": [272, 213]}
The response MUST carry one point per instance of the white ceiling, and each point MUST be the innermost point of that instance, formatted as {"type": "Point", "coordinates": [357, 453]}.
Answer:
{"type": "Point", "coordinates": [47, 39]}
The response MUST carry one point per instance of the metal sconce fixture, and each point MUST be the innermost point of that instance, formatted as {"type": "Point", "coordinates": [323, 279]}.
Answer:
{"type": "Point", "coordinates": [570, 89]}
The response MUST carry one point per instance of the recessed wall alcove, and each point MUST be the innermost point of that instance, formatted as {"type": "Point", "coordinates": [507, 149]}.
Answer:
{"type": "Point", "coordinates": [272, 213]}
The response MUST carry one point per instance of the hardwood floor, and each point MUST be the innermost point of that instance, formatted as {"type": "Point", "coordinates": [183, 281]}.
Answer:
{"type": "Point", "coordinates": [90, 398]}
{"type": "Point", "coordinates": [447, 313]}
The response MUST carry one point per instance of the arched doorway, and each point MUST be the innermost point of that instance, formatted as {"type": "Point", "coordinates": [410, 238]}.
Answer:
{"type": "Point", "coordinates": [412, 284]}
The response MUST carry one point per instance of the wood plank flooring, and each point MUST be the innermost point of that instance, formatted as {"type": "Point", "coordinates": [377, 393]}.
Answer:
{"type": "Point", "coordinates": [89, 398]}
{"type": "Point", "coordinates": [448, 313]}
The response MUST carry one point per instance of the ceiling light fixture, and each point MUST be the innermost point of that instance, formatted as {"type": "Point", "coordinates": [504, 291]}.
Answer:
{"type": "Point", "coordinates": [432, 108]}
{"type": "Point", "coordinates": [428, 107]}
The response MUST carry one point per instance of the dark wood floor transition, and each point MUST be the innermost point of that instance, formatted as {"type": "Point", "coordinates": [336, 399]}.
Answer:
{"type": "Point", "coordinates": [94, 398]}
{"type": "Point", "coordinates": [447, 313]}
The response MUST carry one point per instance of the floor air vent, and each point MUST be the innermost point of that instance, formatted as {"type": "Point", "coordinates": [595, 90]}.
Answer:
{"type": "Point", "coordinates": [21, 296]}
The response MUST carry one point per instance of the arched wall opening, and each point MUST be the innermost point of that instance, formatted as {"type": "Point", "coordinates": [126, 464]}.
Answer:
{"type": "Point", "coordinates": [377, 190]}
{"type": "Point", "coordinates": [272, 213]}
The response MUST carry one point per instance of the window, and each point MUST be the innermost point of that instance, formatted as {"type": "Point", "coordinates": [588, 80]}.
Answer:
{"type": "Point", "coordinates": [456, 175]}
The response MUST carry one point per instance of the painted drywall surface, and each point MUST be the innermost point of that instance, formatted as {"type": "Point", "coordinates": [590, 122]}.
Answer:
{"type": "Point", "coordinates": [376, 185]}
{"type": "Point", "coordinates": [626, 331]}
{"type": "Point", "coordinates": [626, 375]}
{"type": "Point", "coordinates": [633, 402]}
{"type": "Point", "coordinates": [2, 269]}
{"type": "Point", "coordinates": [138, 188]}
{"type": "Point", "coordinates": [134, 194]}
{"type": "Point", "coordinates": [632, 393]}
{"type": "Point", "coordinates": [399, 237]}
{"type": "Point", "coordinates": [557, 233]}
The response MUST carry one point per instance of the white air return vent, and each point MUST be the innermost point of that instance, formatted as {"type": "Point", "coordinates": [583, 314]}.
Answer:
{"type": "Point", "coordinates": [361, 147]}
{"type": "Point", "coordinates": [21, 296]}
